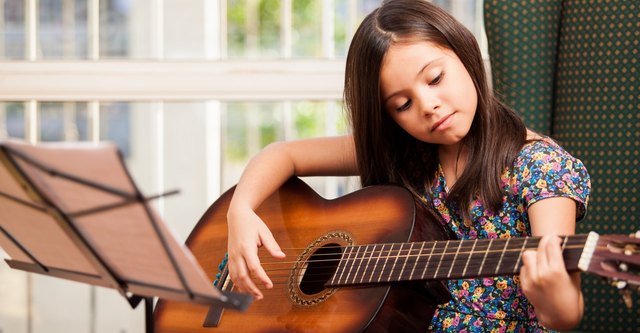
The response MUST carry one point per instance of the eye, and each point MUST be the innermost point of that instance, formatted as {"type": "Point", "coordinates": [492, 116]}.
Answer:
{"type": "Point", "coordinates": [437, 80]}
{"type": "Point", "coordinates": [404, 106]}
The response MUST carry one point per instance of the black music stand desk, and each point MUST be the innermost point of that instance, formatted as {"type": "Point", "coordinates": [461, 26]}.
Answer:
{"type": "Point", "coordinates": [72, 211]}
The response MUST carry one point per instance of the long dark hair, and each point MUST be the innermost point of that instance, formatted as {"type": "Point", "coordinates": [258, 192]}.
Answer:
{"type": "Point", "coordinates": [385, 152]}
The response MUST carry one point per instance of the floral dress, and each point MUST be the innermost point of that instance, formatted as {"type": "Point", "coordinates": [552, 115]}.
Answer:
{"type": "Point", "coordinates": [542, 170]}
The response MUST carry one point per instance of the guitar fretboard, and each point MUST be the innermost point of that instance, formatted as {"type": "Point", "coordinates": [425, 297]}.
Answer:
{"type": "Point", "coordinates": [442, 260]}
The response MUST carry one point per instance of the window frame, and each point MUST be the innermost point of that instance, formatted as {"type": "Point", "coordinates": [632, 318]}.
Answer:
{"type": "Point", "coordinates": [223, 80]}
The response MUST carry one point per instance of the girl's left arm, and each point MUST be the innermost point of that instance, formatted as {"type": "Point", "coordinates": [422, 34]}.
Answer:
{"type": "Point", "coordinates": [554, 293]}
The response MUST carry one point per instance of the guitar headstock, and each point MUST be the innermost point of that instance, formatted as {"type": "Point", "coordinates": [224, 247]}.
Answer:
{"type": "Point", "coordinates": [616, 258]}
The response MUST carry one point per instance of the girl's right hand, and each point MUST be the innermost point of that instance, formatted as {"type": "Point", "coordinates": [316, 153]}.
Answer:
{"type": "Point", "coordinates": [265, 173]}
{"type": "Point", "coordinates": [247, 233]}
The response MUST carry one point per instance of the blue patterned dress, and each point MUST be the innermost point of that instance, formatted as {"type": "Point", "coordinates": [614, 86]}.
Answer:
{"type": "Point", "coordinates": [542, 170]}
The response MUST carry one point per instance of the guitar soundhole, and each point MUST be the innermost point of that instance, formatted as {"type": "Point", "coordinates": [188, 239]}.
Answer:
{"type": "Point", "coordinates": [320, 268]}
{"type": "Point", "coordinates": [315, 266]}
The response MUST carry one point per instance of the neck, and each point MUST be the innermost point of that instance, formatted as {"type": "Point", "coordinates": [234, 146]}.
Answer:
{"type": "Point", "coordinates": [448, 151]}
{"type": "Point", "coordinates": [453, 259]}
{"type": "Point", "coordinates": [452, 161]}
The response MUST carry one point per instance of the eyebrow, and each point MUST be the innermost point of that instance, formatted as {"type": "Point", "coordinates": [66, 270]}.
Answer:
{"type": "Point", "coordinates": [419, 72]}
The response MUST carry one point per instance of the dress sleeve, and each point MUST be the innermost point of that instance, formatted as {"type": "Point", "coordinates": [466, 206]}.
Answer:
{"type": "Point", "coordinates": [549, 171]}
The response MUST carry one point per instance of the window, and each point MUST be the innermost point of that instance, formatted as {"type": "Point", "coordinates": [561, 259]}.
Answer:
{"type": "Point", "coordinates": [189, 90]}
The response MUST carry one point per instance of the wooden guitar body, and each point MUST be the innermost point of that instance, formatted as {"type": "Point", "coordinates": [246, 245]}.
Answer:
{"type": "Point", "coordinates": [300, 219]}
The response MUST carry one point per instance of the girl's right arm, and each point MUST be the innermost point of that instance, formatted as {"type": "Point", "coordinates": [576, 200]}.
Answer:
{"type": "Point", "coordinates": [265, 173]}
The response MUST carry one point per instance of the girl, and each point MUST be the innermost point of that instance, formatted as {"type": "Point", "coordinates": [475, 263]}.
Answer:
{"type": "Point", "coordinates": [423, 116]}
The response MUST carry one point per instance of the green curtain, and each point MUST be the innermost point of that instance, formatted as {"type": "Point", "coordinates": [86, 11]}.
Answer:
{"type": "Point", "coordinates": [571, 70]}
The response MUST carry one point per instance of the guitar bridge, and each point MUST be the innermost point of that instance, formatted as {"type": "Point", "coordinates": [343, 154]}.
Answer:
{"type": "Point", "coordinates": [224, 284]}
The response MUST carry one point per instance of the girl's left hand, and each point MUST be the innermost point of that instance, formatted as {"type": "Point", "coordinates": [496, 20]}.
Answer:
{"type": "Point", "coordinates": [554, 293]}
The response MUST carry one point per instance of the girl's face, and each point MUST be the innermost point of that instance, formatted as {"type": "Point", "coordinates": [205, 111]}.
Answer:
{"type": "Point", "coordinates": [428, 92]}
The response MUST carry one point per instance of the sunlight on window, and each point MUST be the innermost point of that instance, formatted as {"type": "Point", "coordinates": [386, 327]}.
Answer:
{"type": "Point", "coordinates": [199, 145]}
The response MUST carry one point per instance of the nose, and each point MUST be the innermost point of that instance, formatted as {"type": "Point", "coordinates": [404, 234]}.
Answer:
{"type": "Point", "coordinates": [429, 103]}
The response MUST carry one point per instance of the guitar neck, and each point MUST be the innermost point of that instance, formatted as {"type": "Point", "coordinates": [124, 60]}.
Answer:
{"type": "Point", "coordinates": [444, 260]}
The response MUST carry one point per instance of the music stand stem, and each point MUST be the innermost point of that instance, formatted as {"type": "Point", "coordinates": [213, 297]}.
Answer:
{"type": "Point", "coordinates": [148, 314]}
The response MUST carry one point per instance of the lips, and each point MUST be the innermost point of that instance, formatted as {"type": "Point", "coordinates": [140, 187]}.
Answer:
{"type": "Point", "coordinates": [433, 128]}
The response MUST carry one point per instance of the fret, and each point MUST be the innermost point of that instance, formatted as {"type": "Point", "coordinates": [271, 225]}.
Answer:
{"type": "Point", "coordinates": [394, 262]}
{"type": "Point", "coordinates": [441, 258]}
{"type": "Point", "coordinates": [415, 264]}
{"type": "Point", "coordinates": [405, 261]}
{"type": "Point", "coordinates": [347, 265]}
{"type": "Point", "coordinates": [386, 259]}
{"type": "Point", "coordinates": [565, 255]}
{"type": "Point", "coordinates": [485, 257]}
{"type": "Point", "coordinates": [475, 241]}
{"type": "Point", "coordinates": [454, 259]}
{"type": "Point", "coordinates": [341, 266]}
{"type": "Point", "coordinates": [580, 251]}
{"type": "Point", "coordinates": [502, 255]}
{"type": "Point", "coordinates": [376, 264]}
{"type": "Point", "coordinates": [360, 265]}
{"type": "Point", "coordinates": [373, 251]}
{"type": "Point", "coordinates": [429, 259]}
{"type": "Point", "coordinates": [524, 246]}
{"type": "Point", "coordinates": [346, 279]}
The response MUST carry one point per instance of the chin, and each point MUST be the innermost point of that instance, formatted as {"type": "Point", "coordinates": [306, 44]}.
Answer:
{"type": "Point", "coordinates": [452, 141]}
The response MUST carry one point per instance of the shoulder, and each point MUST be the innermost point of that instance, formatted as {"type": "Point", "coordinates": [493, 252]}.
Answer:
{"type": "Point", "coordinates": [545, 156]}
{"type": "Point", "coordinates": [545, 169]}
{"type": "Point", "coordinates": [544, 150]}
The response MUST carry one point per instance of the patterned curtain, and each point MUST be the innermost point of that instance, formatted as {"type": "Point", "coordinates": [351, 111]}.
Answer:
{"type": "Point", "coordinates": [571, 69]}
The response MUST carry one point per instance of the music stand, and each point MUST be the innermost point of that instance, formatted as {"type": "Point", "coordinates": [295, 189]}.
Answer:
{"type": "Point", "coordinates": [72, 211]}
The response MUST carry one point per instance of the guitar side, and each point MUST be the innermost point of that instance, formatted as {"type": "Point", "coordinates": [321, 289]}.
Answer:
{"type": "Point", "coordinates": [298, 217]}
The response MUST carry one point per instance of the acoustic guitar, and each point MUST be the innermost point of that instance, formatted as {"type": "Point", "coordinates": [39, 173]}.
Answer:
{"type": "Point", "coordinates": [365, 262]}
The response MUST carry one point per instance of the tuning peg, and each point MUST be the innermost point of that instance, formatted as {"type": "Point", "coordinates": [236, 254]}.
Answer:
{"type": "Point", "coordinates": [626, 295]}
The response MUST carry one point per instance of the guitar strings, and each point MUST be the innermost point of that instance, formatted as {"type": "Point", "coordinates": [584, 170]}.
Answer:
{"type": "Point", "coordinates": [396, 275]}
{"type": "Point", "coordinates": [359, 278]}
{"type": "Point", "coordinates": [580, 239]}
{"type": "Point", "coordinates": [419, 266]}
{"type": "Point", "coordinates": [444, 261]}
{"type": "Point", "coordinates": [406, 254]}
{"type": "Point", "coordinates": [442, 245]}
{"type": "Point", "coordinates": [362, 256]}
{"type": "Point", "coordinates": [284, 279]}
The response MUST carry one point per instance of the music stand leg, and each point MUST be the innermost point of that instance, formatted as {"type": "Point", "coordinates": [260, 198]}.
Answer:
{"type": "Point", "coordinates": [148, 314]}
